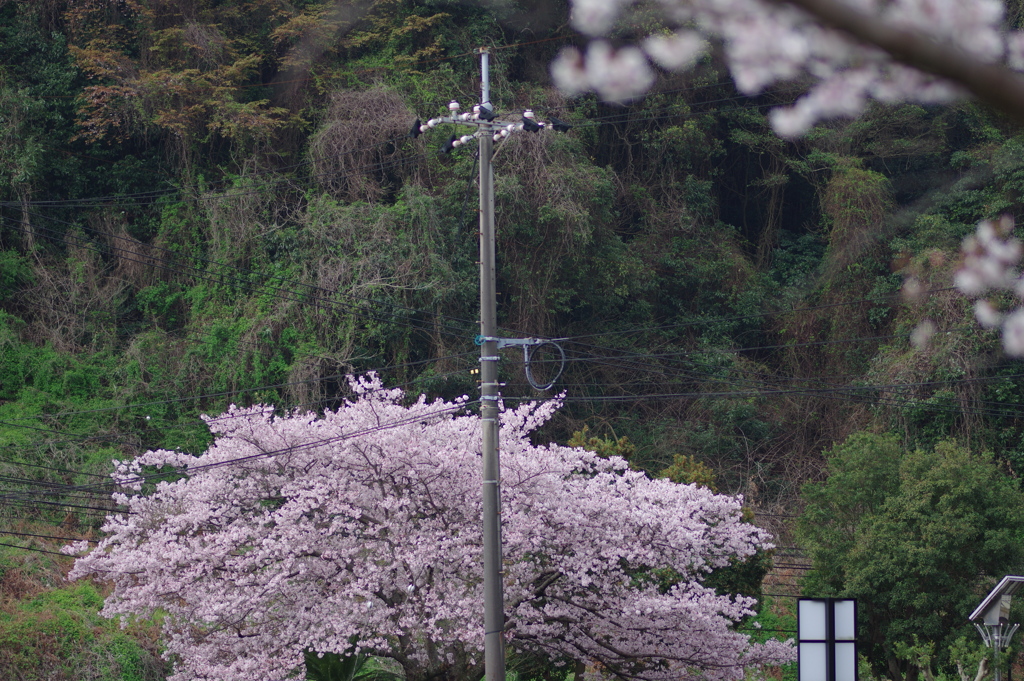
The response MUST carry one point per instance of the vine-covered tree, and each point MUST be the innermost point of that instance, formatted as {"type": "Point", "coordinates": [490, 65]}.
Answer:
{"type": "Point", "coordinates": [360, 532]}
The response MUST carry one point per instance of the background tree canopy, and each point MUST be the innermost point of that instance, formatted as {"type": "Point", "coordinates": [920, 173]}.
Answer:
{"type": "Point", "coordinates": [914, 536]}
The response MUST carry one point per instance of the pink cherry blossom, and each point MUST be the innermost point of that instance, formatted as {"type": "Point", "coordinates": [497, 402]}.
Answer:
{"type": "Point", "coordinates": [360, 530]}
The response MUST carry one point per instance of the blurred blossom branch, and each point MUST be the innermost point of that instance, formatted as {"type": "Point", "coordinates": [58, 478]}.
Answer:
{"type": "Point", "coordinates": [991, 256]}
{"type": "Point", "coordinates": [852, 51]}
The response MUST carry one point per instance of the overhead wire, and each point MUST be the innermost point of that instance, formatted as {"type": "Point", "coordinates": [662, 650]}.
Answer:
{"type": "Point", "coordinates": [743, 317]}
{"type": "Point", "coordinates": [142, 478]}
{"type": "Point", "coordinates": [206, 193]}
{"type": "Point", "coordinates": [63, 489]}
{"type": "Point", "coordinates": [35, 503]}
{"type": "Point", "coordinates": [23, 464]}
{"type": "Point", "coordinates": [229, 393]}
{"type": "Point", "coordinates": [664, 327]}
{"type": "Point", "coordinates": [633, 362]}
{"type": "Point", "coordinates": [222, 417]}
{"type": "Point", "coordinates": [30, 548]}
{"type": "Point", "coordinates": [178, 266]}
{"type": "Point", "coordinates": [222, 196]}
{"type": "Point", "coordinates": [824, 389]}
{"type": "Point", "coordinates": [59, 489]}
{"type": "Point", "coordinates": [639, 362]}
{"type": "Point", "coordinates": [198, 193]}
{"type": "Point", "coordinates": [45, 536]}
{"type": "Point", "coordinates": [650, 356]}
{"type": "Point", "coordinates": [847, 394]}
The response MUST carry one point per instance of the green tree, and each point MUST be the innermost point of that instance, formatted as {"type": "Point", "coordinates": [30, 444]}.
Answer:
{"type": "Point", "coordinates": [914, 536]}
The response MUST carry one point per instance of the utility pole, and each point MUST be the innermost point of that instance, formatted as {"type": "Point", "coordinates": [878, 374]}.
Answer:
{"type": "Point", "coordinates": [490, 131]}
{"type": "Point", "coordinates": [494, 601]}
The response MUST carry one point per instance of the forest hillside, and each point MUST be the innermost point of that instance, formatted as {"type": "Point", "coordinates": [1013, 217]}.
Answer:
{"type": "Point", "coordinates": [206, 203]}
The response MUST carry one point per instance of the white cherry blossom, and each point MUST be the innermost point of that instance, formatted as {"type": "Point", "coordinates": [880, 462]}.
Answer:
{"type": "Point", "coordinates": [677, 51]}
{"type": "Point", "coordinates": [1013, 333]}
{"type": "Point", "coordinates": [991, 256]}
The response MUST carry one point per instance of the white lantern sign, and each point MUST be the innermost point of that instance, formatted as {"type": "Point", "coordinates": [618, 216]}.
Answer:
{"type": "Point", "coordinates": [827, 639]}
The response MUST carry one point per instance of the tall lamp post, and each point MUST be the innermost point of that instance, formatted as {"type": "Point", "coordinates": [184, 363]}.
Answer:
{"type": "Point", "coordinates": [991, 618]}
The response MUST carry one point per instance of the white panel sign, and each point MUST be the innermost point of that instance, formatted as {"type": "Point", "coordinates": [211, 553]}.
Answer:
{"type": "Point", "coordinates": [811, 619]}
{"type": "Point", "coordinates": [812, 661]}
{"type": "Point", "coordinates": [846, 661]}
{"type": "Point", "coordinates": [846, 620]}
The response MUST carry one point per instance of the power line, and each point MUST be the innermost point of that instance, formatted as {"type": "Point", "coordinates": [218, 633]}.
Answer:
{"type": "Point", "coordinates": [29, 548]}
{"type": "Point", "coordinates": [33, 503]}
{"type": "Point", "coordinates": [202, 194]}
{"type": "Point", "coordinates": [841, 393]}
{"type": "Point", "coordinates": [46, 536]}
{"type": "Point", "coordinates": [705, 372]}
{"type": "Point", "coordinates": [12, 496]}
{"type": "Point", "coordinates": [50, 468]}
{"type": "Point", "coordinates": [177, 266]}
{"type": "Point", "coordinates": [732, 318]}
{"type": "Point", "coordinates": [229, 393]}
{"type": "Point", "coordinates": [63, 489]}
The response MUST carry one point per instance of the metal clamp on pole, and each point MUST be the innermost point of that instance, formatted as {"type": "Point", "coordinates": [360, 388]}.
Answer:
{"type": "Point", "coordinates": [529, 346]}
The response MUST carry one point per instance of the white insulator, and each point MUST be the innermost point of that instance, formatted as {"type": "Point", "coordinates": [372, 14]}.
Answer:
{"type": "Point", "coordinates": [457, 143]}
{"type": "Point", "coordinates": [528, 114]}
{"type": "Point", "coordinates": [466, 139]}
{"type": "Point", "coordinates": [464, 116]}
{"type": "Point", "coordinates": [476, 108]}
{"type": "Point", "coordinates": [474, 117]}
{"type": "Point", "coordinates": [498, 136]}
{"type": "Point", "coordinates": [512, 126]}
{"type": "Point", "coordinates": [453, 106]}
{"type": "Point", "coordinates": [432, 122]}
{"type": "Point", "coordinates": [505, 133]}
{"type": "Point", "coordinates": [519, 127]}
{"type": "Point", "coordinates": [424, 128]}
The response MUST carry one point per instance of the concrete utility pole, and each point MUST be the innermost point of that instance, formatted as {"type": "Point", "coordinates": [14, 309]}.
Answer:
{"type": "Point", "coordinates": [488, 132]}
{"type": "Point", "coordinates": [494, 602]}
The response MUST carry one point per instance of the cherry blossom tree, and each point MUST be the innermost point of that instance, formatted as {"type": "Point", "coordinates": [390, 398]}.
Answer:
{"type": "Point", "coordinates": [360, 532]}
